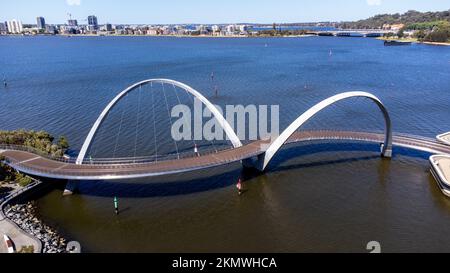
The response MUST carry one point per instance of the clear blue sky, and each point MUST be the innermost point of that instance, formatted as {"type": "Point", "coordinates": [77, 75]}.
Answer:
{"type": "Point", "coordinates": [209, 11]}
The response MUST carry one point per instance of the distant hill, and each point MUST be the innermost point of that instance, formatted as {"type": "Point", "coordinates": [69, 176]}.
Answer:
{"type": "Point", "coordinates": [408, 18]}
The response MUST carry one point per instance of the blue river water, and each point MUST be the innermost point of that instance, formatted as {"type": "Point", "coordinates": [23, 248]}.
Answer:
{"type": "Point", "coordinates": [62, 84]}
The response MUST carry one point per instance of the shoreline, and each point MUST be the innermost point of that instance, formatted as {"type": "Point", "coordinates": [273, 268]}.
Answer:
{"type": "Point", "coordinates": [155, 36]}
{"type": "Point", "coordinates": [413, 40]}
{"type": "Point", "coordinates": [22, 224]}
{"type": "Point", "coordinates": [8, 227]}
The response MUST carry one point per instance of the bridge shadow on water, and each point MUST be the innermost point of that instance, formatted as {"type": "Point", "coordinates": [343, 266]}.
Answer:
{"type": "Point", "coordinates": [296, 151]}
{"type": "Point", "coordinates": [223, 177]}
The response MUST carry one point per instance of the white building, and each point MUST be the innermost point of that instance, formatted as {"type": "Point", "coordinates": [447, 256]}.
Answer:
{"type": "Point", "coordinates": [50, 29]}
{"type": "Point", "coordinates": [230, 29]}
{"type": "Point", "coordinates": [15, 26]}
{"type": "Point", "coordinates": [215, 28]}
{"type": "Point", "coordinates": [152, 31]}
{"type": "Point", "coordinates": [91, 28]}
{"type": "Point", "coordinates": [243, 28]}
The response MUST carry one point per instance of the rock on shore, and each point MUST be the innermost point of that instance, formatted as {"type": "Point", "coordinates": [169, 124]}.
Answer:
{"type": "Point", "coordinates": [24, 215]}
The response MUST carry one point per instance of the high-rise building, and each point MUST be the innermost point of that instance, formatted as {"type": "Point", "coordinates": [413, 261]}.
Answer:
{"type": "Point", "coordinates": [3, 28]}
{"type": "Point", "coordinates": [93, 22]}
{"type": "Point", "coordinates": [72, 23]}
{"type": "Point", "coordinates": [40, 22]}
{"type": "Point", "coordinates": [108, 27]}
{"type": "Point", "coordinates": [15, 26]}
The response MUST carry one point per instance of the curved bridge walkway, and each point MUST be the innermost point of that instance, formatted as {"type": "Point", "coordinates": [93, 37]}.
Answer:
{"type": "Point", "coordinates": [33, 164]}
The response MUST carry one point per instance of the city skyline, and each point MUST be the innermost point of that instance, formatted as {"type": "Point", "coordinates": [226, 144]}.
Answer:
{"type": "Point", "coordinates": [197, 12]}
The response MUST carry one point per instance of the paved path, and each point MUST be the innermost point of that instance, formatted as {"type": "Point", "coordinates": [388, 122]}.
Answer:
{"type": "Point", "coordinates": [36, 165]}
{"type": "Point", "coordinates": [17, 235]}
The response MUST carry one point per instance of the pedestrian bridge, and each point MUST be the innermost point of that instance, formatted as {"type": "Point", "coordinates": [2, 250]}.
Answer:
{"type": "Point", "coordinates": [257, 154]}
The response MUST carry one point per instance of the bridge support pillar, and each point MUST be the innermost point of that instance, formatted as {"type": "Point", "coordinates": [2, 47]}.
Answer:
{"type": "Point", "coordinates": [71, 188]}
{"type": "Point", "coordinates": [254, 163]}
{"type": "Point", "coordinates": [387, 153]}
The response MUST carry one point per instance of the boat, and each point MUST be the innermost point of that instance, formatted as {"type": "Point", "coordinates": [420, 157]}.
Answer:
{"type": "Point", "coordinates": [444, 138]}
{"type": "Point", "coordinates": [440, 169]}
{"type": "Point", "coordinates": [396, 43]}
{"type": "Point", "coordinates": [9, 244]}
{"type": "Point", "coordinates": [325, 34]}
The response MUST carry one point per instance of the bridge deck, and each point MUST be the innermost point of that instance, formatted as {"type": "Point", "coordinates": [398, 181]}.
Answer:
{"type": "Point", "coordinates": [36, 165]}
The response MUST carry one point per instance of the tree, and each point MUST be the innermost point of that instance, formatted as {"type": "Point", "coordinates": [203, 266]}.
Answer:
{"type": "Point", "coordinates": [41, 141]}
{"type": "Point", "coordinates": [63, 143]}
{"type": "Point", "coordinates": [23, 180]}
{"type": "Point", "coordinates": [401, 33]}
{"type": "Point", "coordinates": [420, 35]}
{"type": "Point", "coordinates": [440, 35]}
{"type": "Point", "coordinates": [410, 17]}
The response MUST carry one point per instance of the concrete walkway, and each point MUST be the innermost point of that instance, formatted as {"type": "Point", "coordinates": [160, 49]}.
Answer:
{"type": "Point", "coordinates": [17, 235]}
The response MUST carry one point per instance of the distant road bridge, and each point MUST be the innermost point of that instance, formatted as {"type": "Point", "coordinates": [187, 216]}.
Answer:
{"type": "Point", "coordinates": [257, 154]}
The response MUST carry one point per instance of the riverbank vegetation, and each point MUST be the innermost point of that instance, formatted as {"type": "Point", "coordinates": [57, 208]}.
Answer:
{"type": "Point", "coordinates": [9, 175]}
{"type": "Point", "coordinates": [39, 140]}
{"type": "Point", "coordinates": [432, 27]}
{"type": "Point", "coordinates": [436, 31]}
{"type": "Point", "coordinates": [409, 18]}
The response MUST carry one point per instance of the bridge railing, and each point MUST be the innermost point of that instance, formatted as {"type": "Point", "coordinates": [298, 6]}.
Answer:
{"type": "Point", "coordinates": [19, 191]}
{"type": "Point", "coordinates": [108, 161]}
{"type": "Point", "coordinates": [34, 151]}
{"type": "Point", "coordinates": [121, 171]}
{"type": "Point", "coordinates": [145, 159]}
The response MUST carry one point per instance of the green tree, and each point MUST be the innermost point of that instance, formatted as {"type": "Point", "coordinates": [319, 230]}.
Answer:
{"type": "Point", "coordinates": [26, 249]}
{"type": "Point", "coordinates": [23, 180]}
{"type": "Point", "coordinates": [420, 35]}
{"type": "Point", "coordinates": [440, 35]}
{"type": "Point", "coordinates": [63, 143]}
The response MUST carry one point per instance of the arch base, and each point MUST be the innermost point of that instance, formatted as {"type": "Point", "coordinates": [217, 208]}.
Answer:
{"type": "Point", "coordinates": [386, 153]}
{"type": "Point", "coordinates": [71, 188]}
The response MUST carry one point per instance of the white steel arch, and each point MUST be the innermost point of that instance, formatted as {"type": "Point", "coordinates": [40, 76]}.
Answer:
{"type": "Point", "coordinates": [276, 145]}
{"type": "Point", "coordinates": [225, 125]}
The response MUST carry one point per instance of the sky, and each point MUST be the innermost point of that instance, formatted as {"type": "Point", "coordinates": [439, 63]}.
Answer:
{"type": "Point", "coordinates": [208, 11]}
